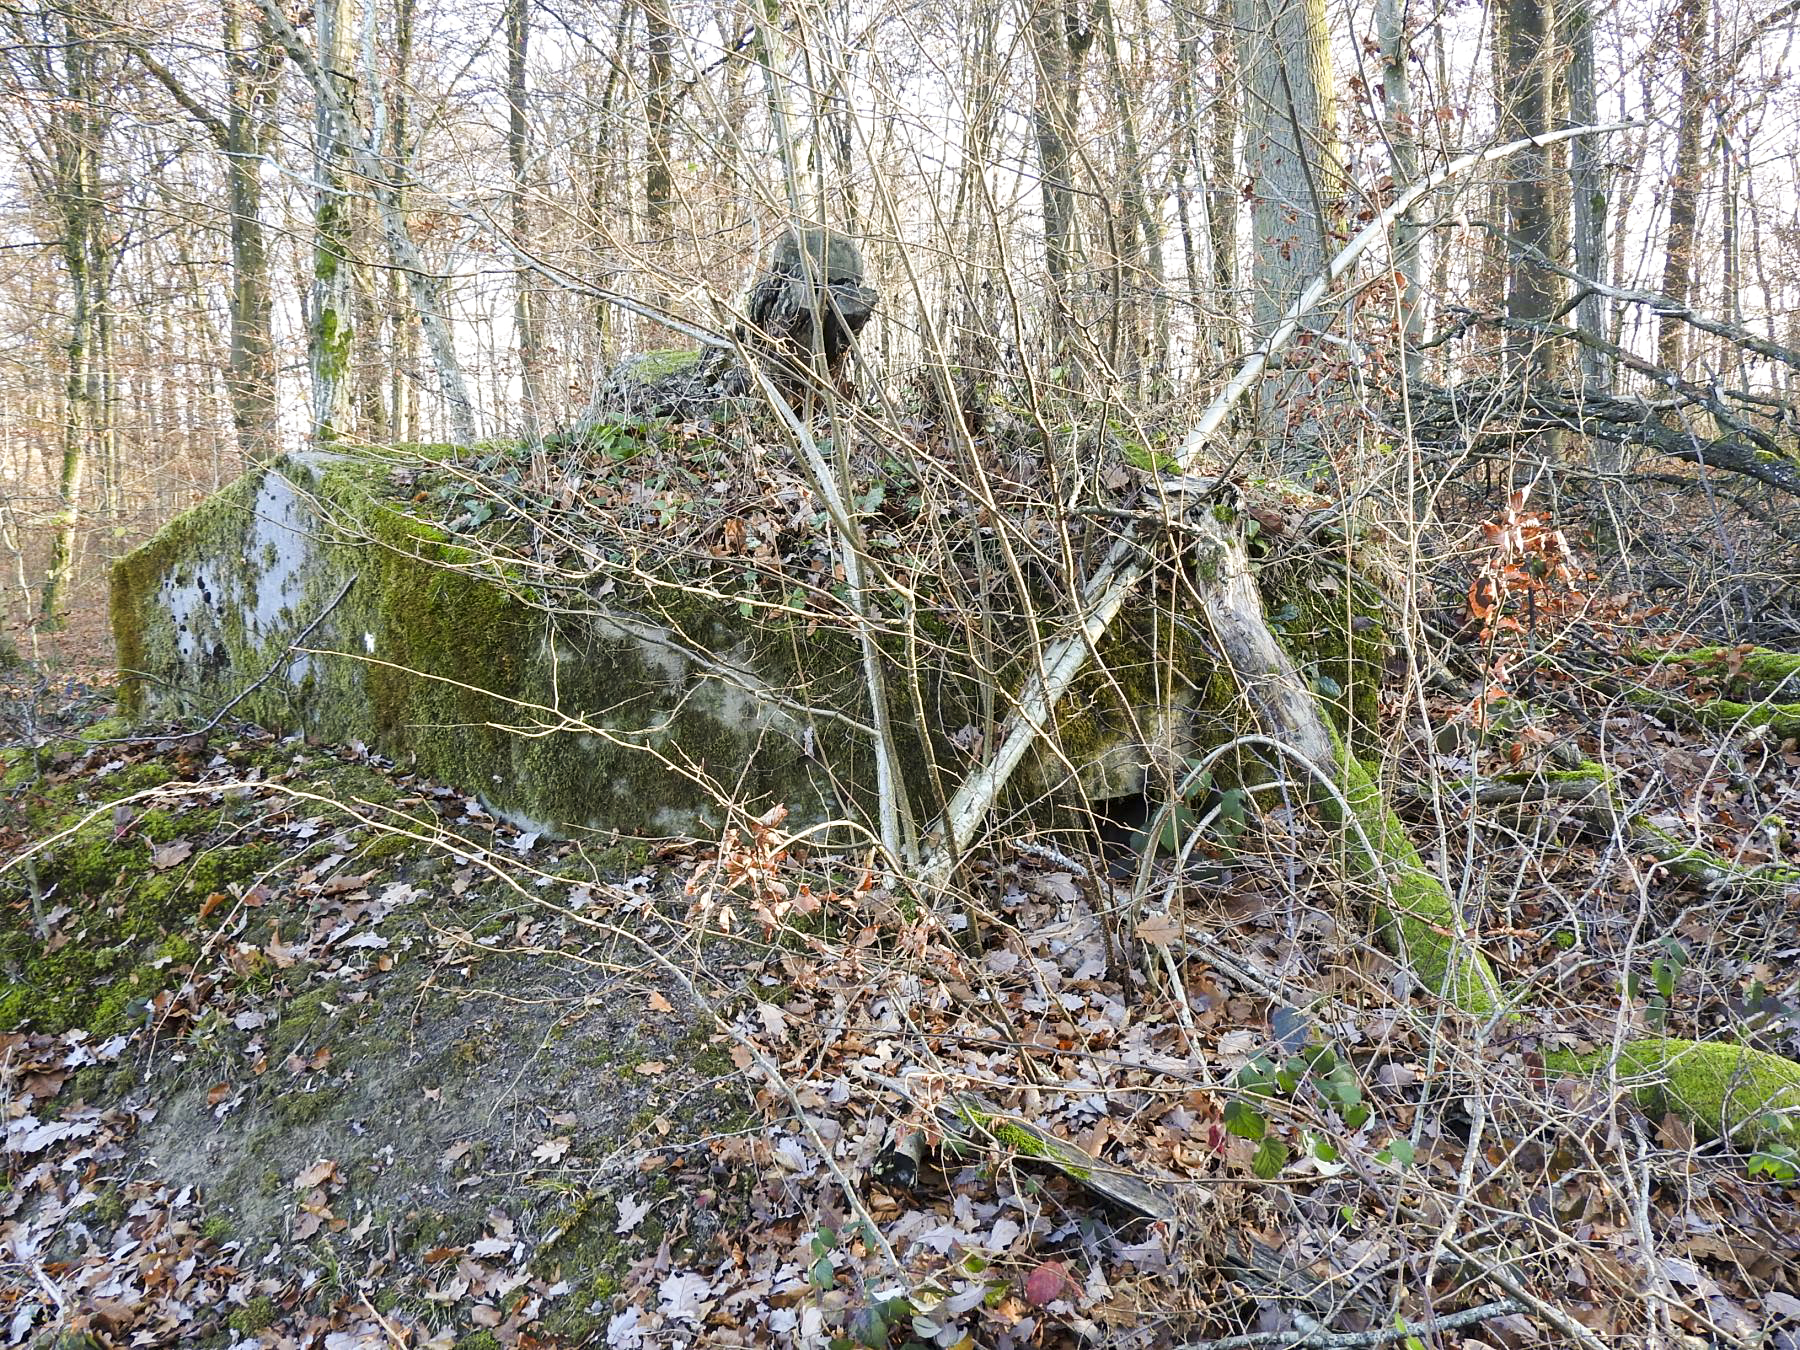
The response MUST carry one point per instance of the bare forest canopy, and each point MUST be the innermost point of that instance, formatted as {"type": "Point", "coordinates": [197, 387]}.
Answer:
{"type": "Point", "coordinates": [230, 228]}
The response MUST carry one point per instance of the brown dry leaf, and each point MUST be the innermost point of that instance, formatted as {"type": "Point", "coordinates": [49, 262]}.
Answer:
{"type": "Point", "coordinates": [213, 900]}
{"type": "Point", "coordinates": [660, 1004]}
{"type": "Point", "coordinates": [1159, 930]}
{"type": "Point", "coordinates": [552, 1150]}
{"type": "Point", "coordinates": [652, 1068]}
{"type": "Point", "coordinates": [171, 855]}
{"type": "Point", "coordinates": [323, 1170]}
{"type": "Point", "coordinates": [217, 1093]}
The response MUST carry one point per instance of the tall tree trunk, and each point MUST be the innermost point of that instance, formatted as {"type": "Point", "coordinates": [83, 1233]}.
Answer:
{"type": "Point", "coordinates": [77, 126]}
{"type": "Point", "coordinates": [250, 379]}
{"type": "Point", "coordinates": [331, 332]}
{"type": "Point", "coordinates": [1147, 267]}
{"type": "Point", "coordinates": [1293, 163]}
{"type": "Point", "coordinates": [424, 286]}
{"type": "Point", "coordinates": [1684, 188]}
{"type": "Point", "coordinates": [1587, 193]}
{"type": "Point", "coordinates": [1403, 146]}
{"type": "Point", "coordinates": [527, 327]}
{"type": "Point", "coordinates": [1222, 192]}
{"type": "Point", "coordinates": [1525, 111]}
{"type": "Point", "coordinates": [1059, 40]}
{"type": "Point", "coordinates": [403, 376]}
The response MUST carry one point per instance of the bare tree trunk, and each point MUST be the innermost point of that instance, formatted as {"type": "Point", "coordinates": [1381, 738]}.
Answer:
{"type": "Point", "coordinates": [1293, 163]}
{"type": "Point", "coordinates": [1587, 192]}
{"type": "Point", "coordinates": [425, 288]}
{"type": "Point", "coordinates": [1222, 196]}
{"type": "Point", "coordinates": [1135, 207]}
{"type": "Point", "coordinates": [250, 380]}
{"type": "Point", "coordinates": [76, 129]}
{"type": "Point", "coordinates": [242, 137]}
{"type": "Point", "coordinates": [1531, 291]}
{"type": "Point", "coordinates": [526, 323]}
{"type": "Point", "coordinates": [403, 348]}
{"type": "Point", "coordinates": [331, 333]}
{"type": "Point", "coordinates": [1684, 189]}
{"type": "Point", "coordinates": [1403, 146]}
{"type": "Point", "coordinates": [1059, 40]}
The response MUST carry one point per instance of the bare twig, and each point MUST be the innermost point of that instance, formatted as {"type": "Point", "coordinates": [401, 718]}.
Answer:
{"type": "Point", "coordinates": [1354, 1340]}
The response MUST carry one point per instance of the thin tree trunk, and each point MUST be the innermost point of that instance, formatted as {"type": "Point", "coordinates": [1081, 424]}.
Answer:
{"type": "Point", "coordinates": [1525, 111]}
{"type": "Point", "coordinates": [526, 324]}
{"type": "Point", "coordinates": [1135, 206]}
{"type": "Point", "coordinates": [403, 384]}
{"type": "Point", "coordinates": [1684, 188]}
{"type": "Point", "coordinates": [1292, 161]}
{"type": "Point", "coordinates": [76, 130]}
{"type": "Point", "coordinates": [250, 378]}
{"type": "Point", "coordinates": [1222, 193]}
{"type": "Point", "coordinates": [331, 334]}
{"type": "Point", "coordinates": [1403, 146]}
{"type": "Point", "coordinates": [1059, 40]}
{"type": "Point", "coordinates": [425, 287]}
{"type": "Point", "coordinates": [1587, 192]}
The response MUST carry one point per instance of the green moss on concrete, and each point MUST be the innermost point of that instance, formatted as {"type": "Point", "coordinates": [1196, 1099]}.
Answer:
{"type": "Point", "coordinates": [659, 365]}
{"type": "Point", "coordinates": [1729, 1091]}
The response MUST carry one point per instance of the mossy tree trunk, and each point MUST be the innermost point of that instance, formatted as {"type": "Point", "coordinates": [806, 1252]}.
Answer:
{"type": "Point", "coordinates": [331, 330]}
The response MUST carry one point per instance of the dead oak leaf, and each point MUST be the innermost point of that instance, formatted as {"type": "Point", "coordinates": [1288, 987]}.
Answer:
{"type": "Point", "coordinates": [552, 1150]}
{"type": "Point", "coordinates": [171, 855]}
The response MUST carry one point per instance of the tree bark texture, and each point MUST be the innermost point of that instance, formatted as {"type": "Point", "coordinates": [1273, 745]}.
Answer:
{"type": "Point", "coordinates": [1684, 187]}
{"type": "Point", "coordinates": [77, 126]}
{"type": "Point", "coordinates": [1060, 38]}
{"type": "Point", "coordinates": [423, 285]}
{"type": "Point", "coordinates": [331, 330]}
{"type": "Point", "coordinates": [526, 324]}
{"type": "Point", "coordinates": [1292, 162]}
{"type": "Point", "coordinates": [1531, 291]}
{"type": "Point", "coordinates": [1402, 138]}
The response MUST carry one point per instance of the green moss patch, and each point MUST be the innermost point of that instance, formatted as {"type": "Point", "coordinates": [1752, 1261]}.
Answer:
{"type": "Point", "coordinates": [1729, 1091]}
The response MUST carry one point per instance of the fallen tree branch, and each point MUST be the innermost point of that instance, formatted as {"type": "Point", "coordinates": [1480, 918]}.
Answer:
{"type": "Point", "coordinates": [1611, 417]}
{"type": "Point", "coordinates": [1125, 565]}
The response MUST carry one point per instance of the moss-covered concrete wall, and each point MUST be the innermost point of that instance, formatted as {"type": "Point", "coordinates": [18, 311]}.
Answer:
{"type": "Point", "coordinates": [313, 593]}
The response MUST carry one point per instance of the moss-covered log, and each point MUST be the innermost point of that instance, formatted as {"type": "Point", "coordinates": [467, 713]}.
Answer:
{"type": "Point", "coordinates": [1737, 688]}
{"type": "Point", "coordinates": [1728, 1091]}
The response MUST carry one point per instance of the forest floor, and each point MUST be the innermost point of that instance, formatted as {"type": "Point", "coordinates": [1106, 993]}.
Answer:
{"type": "Point", "coordinates": [311, 1053]}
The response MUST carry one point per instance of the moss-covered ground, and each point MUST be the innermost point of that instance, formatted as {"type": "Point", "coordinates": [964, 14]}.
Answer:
{"type": "Point", "coordinates": [292, 958]}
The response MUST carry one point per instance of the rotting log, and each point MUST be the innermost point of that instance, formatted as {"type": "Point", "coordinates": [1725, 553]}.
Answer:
{"type": "Point", "coordinates": [1730, 1091]}
{"type": "Point", "coordinates": [1758, 689]}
